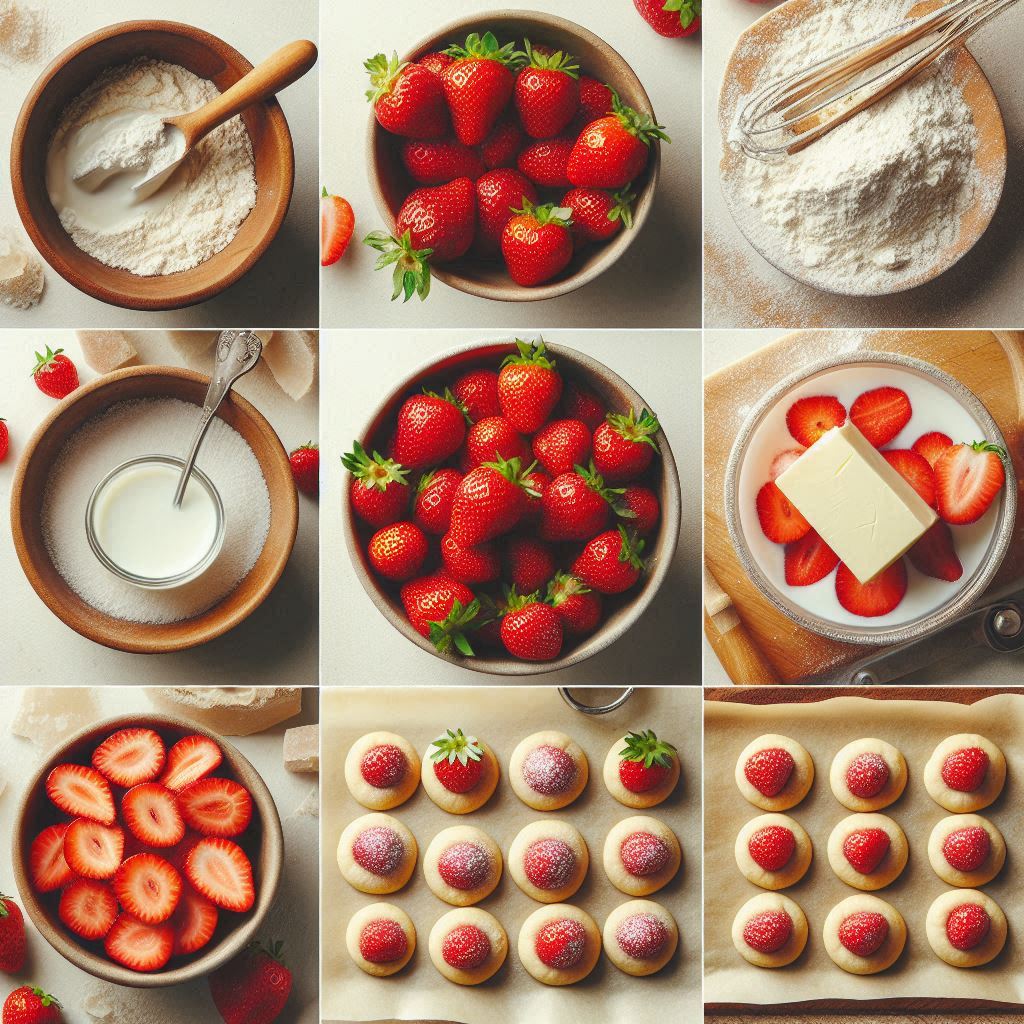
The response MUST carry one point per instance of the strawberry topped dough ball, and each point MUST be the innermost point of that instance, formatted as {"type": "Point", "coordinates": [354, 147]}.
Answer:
{"type": "Point", "coordinates": [867, 775]}
{"type": "Point", "coordinates": [460, 772]}
{"type": "Point", "coordinates": [468, 946]}
{"type": "Point", "coordinates": [376, 854]}
{"type": "Point", "coordinates": [462, 865]}
{"type": "Point", "coordinates": [966, 850]}
{"type": "Point", "coordinates": [641, 855]}
{"type": "Point", "coordinates": [773, 851]}
{"type": "Point", "coordinates": [864, 934]}
{"type": "Point", "coordinates": [641, 770]}
{"type": "Point", "coordinates": [559, 944]}
{"type": "Point", "coordinates": [382, 770]}
{"type": "Point", "coordinates": [640, 937]}
{"type": "Point", "coordinates": [774, 772]}
{"type": "Point", "coordinates": [548, 860]}
{"type": "Point", "coordinates": [381, 939]}
{"type": "Point", "coordinates": [868, 851]}
{"type": "Point", "coordinates": [548, 770]}
{"type": "Point", "coordinates": [965, 773]}
{"type": "Point", "coordinates": [966, 928]}
{"type": "Point", "coordinates": [769, 930]}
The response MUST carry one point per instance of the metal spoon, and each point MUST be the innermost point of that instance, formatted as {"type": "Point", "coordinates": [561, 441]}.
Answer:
{"type": "Point", "coordinates": [235, 354]}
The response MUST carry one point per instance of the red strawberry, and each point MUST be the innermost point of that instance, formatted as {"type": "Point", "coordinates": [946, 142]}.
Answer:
{"type": "Point", "coordinates": [464, 865]}
{"type": "Point", "coordinates": [529, 564]}
{"type": "Point", "coordinates": [488, 503]}
{"type": "Point", "coordinates": [641, 936]}
{"type": "Point", "coordinates": [151, 814]}
{"type": "Point", "coordinates": [809, 560]}
{"type": "Point", "coordinates": [644, 505]}
{"type": "Point", "coordinates": [216, 807]}
{"type": "Point", "coordinates": [430, 430]}
{"type": "Point", "coordinates": [529, 387]}
{"type": "Point", "coordinates": [130, 757]}
{"type": "Point", "coordinates": [473, 565]}
{"type": "Point", "coordinates": [432, 508]}
{"type": "Point", "coordinates": [576, 506]}
{"type": "Point", "coordinates": [965, 770]}
{"type": "Point", "coordinates": [880, 596]}
{"type": "Point", "coordinates": [46, 864]}
{"type": "Point", "coordinates": [536, 243]}
{"type": "Point", "coordinates": [595, 99]}
{"type": "Point", "coordinates": [441, 609]}
{"type": "Point", "coordinates": [624, 445]}
{"type": "Point", "coordinates": [549, 863]}
{"type": "Point", "coordinates": [494, 438]}
{"type": "Point", "coordinates": [397, 552]}
{"type": "Point", "coordinates": [55, 375]}
{"type": "Point", "coordinates": [881, 414]}
{"type": "Point", "coordinates": [772, 847]}
{"type": "Point", "coordinates": [220, 871]}
{"type": "Point", "coordinates": [562, 444]}
{"type": "Point", "coordinates": [935, 555]}
{"type": "Point", "coordinates": [531, 630]}
{"type": "Point", "coordinates": [915, 470]}
{"type": "Point", "coordinates": [671, 18]}
{"type": "Point", "coordinates": [597, 215]}
{"type": "Point", "coordinates": [384, 766]}
{"type": "Point", "coordinates": [499, 194]}
{"type": "Point", "coordinates": [577, 605]}
{"type": "Point", "coordinates": [769, 770]}
{"type": "Point", "coordinates": [478, 85]}
{"type": "Point", "coordinates": [148, 888]}
{"type": "Point", "coordinates": [968, 478]}
{"type": "Point", "coordinates": [560, 944]}
{"type": "Point", "coordinates": [194, 922]}
{"type": "Point", "coordinates": [931, 446]}
{"type": "Point", "coordinates": [613, 151]}
{"type": "Point", "coordinates": [867, 775]}
{"type": "Point", "coordinates": [783, 461]}
{"type": "Point", "coordinates": [253, 988]}
{"type": "Point", "coordinates": [808, 419]}
{"type": "Point", "coordinates": [864, 932]}
{"type": "Point", "coordinates": [643, 854]}
{"type": "Point", "coordinates": [337, 222]}
{"type": "Point", "coordinates": [139, 947]}
{"type": "Point", "coordinates": [379, 491]}
{"type": "Point", "coordinates": [93, 850]}
{"type": "Point", "coordinates": [31, 1005]}
{"type": "Point", "coordinates": [768, 931]}
{"type": "Point", "coordinates": [81, 792]}
{"type": "Point", "coordinates": [88, 908]}
{"type": "Point", "coordinates": [580, 404]}
{"type": "Point", "coordinates": [502, 146]}
{"type": "Point", "coordinates": [438, 161]}
{"type": "Point", "coordinates": [466, 947]}
{"type": "Point", "coordinates": [12, 936]}
{"type": "Point", "coordinates": [477, 393]}
{"type": "Point", "coordinates": [545, 163]}
{"type": "Point", "coordinates": [191, 758]}
{"type": "Point", "coordinates": [5, 439]}
{"type": "Point", "coordinates": [457, 760]}
{"type": "Point", "coordinates": [866, 848]}
{"type": "Point", "coordinates": [305, 463]}
{"type": "Point", "coordinates": [437, 62]}
{"type": "Point", "coordinates": [966, 849]}
{"type": "Point", "coordinates": [967, 926]}
{"type": "Point", "coordinates": [383, 941]}
{"type": "Point", "coordinates": [780, 521]}
{"type": "Point", "coordinates": [547, 92]}
{"type": "Point", "coordinates": [537, 483]}
{"type": "Point", "coordinates": [408, 99]}
{"type": "Point", "coordinates": [611, 562]}
{"type": "Point", "coordinates": [645, 762]}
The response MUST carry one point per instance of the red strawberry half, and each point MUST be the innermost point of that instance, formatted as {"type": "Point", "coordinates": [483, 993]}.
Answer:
{"type": "Point", "coordinates": [780, 520]}
{"type": "Point", "coordinates": [881, 414]}
{"type": "Point", "coordinates": [915, 470]}
{"type": "Point", "coordinates": [81, 792]}
{"type": "Point", "coordinates": [148, 887]}
{"type": "Point", "coordinates": [769, 770]}
{"type": "Point", "coordinates": [808, 419]}
{"type": "Point", "coordinates": [931, 446]}
{"type": "Point", "coordinates": [809, 560]}
{"type": "Point", "coordinates": [216, 807]}
{"type": "Point", "coordinates": [772, 847]}
{"type": "Point", "coordinates": [968, 478]}
{"type": "Point", "coordinates": [191, 758]}
{"type": "Point", "coordinates": [151, 814]}
{"type": "Point", "coordinates": [864, 932]}
{"type": "Point", "coordinates": [935, 554]}
{"type": "Point", "coordinates": [130, 757]}
{"type": "Point", "coordinates": [93, 850]}
{"type": "Point", "coordinates": [866, 848]}
{"type": "Point", "coordinates": [139, 946]}
{"type": "Point", "coordinates": [880, 596]}
{"type": "Point", "coordinates": [46, 864]}
{"type": "Point", "coordinates": [194, 922]}
{"type": "Point", "coordinates": [88, 908]}
{"type": "Point", "coordinates": [220, 871]}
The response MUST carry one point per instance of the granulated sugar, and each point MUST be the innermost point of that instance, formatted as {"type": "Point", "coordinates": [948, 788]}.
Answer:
{"type": "Point", "coordinates": [153, 427]}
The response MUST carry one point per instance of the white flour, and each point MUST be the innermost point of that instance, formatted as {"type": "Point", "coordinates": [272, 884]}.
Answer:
{"type": "Point", "coordinates": [217, 187]}
{"type": "Point", "coordinates": [24, 33]}
{"type": "Point", "coordinates": [21, 273]}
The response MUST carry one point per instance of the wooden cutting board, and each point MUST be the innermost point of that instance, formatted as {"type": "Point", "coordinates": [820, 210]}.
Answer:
{"type": "Point", "coordinates": [990, 363]}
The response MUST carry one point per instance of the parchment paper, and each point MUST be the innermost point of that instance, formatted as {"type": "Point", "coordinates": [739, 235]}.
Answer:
{"type": "Point", "coordinates": [502, 717]}
{"type": "Point", "coordinates": [915, 728]}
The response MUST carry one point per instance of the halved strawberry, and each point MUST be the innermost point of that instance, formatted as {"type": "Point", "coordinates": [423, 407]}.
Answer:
{"type": "Point", "coordinates": [88, 908]}
{"type": "Point", "coordinates": [216, 807]}
{"type": "Point", "coordinates": [150, 812]}
{"type": "Point", "coordinates": [879, 596]}
{"type": "Point", "coordinates": [881, 414]}
{"type": "Point", "coordinates": [194, 922]}
{"type": "Point", "coordinates": [935, 555]}
{"type": "Point", "coordinates": [93, 850]}
{"type": "Point", "coordinates": [931, 446]}
{"type": "Point", "coordinates": [968, 478]}
{"type": "Point", "coordinates": [809, 418]}
{"type": "Point", "coordinates": [809, 560]}
{"type": "Point", "coordinates": [179, 854]}
{"type": "Point", "coordinates": [138, 946]}
{"type": "Point", "coordinates": [914, 468]}
{"type": "Point", "coordinates": [337, 222]}
{"type": "Point", "coordinates": [81, 792]}
{"type": "Point", "coordinates": [130, 757]}
{"type": "Point", "coordinates": [780, 520]}
{"type": "Point", "coordinates": [783, 461]}
{"type": "Point", "coordinates": [189, 760]}
{"type": "Point", "coordinates": [148, 887]}
{"type": "Point", "coordinates": [220, 870]}
{"type": "Point", "coordinates": [46, 864]}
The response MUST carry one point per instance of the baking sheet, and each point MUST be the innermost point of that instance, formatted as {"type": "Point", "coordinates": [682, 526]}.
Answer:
{"type": "Point", "coordinates": [502, 717]}
{"type": "Point", "coordinates": [915, 728]}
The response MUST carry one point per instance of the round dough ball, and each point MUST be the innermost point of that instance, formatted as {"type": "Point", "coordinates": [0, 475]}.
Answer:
{"type": "Point", "coordinates": [640, 937]}
{"type": "Point", "coordinates": [559, 944]}
{"type": "Point", "coordinates": [782, 769]}
{"type": "Point", "coordinates": [966, 850]}
{"type": "Point", "coordinates": [462, 865]}
{"type": "Point", "coordinates": [759, 921]}
{"type": "Point", "coordinates": [641, 855]}
{"type": "Point", "coordinates": [392, 764]}
{"type": "Point", "coordinates": [652, 786]}
{"type": "Point", "coordinates": [548, 770]}
{"type": "Point", "coordinates": [952, 916]}
{"type": "Point", "coordinates": [773, 837]}
{"type": "Point", "coordinates": [468, 945]}
{"type": "Point", "coordinates": [381, 939]}
{"type": "Point", "coordinates": [548, 860]}
{"type": "Point", "coordinates": [876, 769]}
{"type": "Point", "coordinates": [460, 757]}
{"type": "Point", "coordinates": [858, 836]}
{"type": "Point", "coordinates": [884, 955]}
{"type": "Point", "coordinates": [960, 756]}
{"type": "Point", "coordinates": [376, 854]}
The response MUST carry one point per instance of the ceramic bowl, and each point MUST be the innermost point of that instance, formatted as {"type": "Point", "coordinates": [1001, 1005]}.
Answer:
{"type": "Point", "coordinates": [263, 843]}
{"type": "Point", "coordinates": [30, 485]}
{"type": "Point", "coordinates": [72, 72]}
{"type": "Point", "coordinates": [621, 612]}
{"type": "Point", "coordinates": [489, 279]}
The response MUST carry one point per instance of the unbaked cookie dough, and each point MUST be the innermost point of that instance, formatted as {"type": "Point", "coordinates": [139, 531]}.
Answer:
{"type": "Point", "coordinates": [468, 768]}
{"type": "Point", "coordinates": [462, 865]}
{"type": "Point", "coordinates": [966, 928]}
{"type": "Point", "coordinates": [769, 930]}
{"type": "Point", "coordinates": [626, 762]}
{"type": "Point", "coordinates": [640, 937]}
{"type": "Point", "coordinates": [773, 851]}
{"type": "Point", "coordinates": [965, 773]}
{"type": "Point", "coordinates": [559, 944]}
{"type": "Point", "coordinates": [867, 775]}
{"type": "Point", "coordinates": [468, 945]}
{"type": "Point", "coordinates": [868, 851]}
{"type": "Point", "coordinates": [376, 854]}
{"type": "Point", "coordinates": [548, 770]}
{"type": "Point", "coordinates": [641, 855]}
{"type": "Point", "coordinates": [381, 939]}
{"type": "Point", "coordinates": [864, 934]}
{"type": "Point", "coordinates": [966, 850]}
{"type": "Point", "coordinates": [382, 770]}
{"type": "Point", "coordinates": [774, 772]}
{"type": "Point", "coordinates": [548, 860]}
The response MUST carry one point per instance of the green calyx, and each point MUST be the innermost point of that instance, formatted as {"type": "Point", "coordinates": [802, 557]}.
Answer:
{"type": "Point", "coordinates": [451, 631]}
{"type": "Point", "coordinates": [643, 126]}
{"type": "Point", "coordinates": [275, 950]}
{"type": "Point", "coordinates": [412, 271]}
{"type": "Point", "coordinates": [4, 912]}
{"type": "Point", "coordinates": [517, 601]}
{"type": "Point", "coordinates": [689, 10]}
{"type": "Point", "coordinates": [492, 609]}
{"type": "Point", "coordinates": [612, 495]}
{"type": "Point", "coordinates": [632, 548]}
{"type": "Point", "coordinates": [987, 446]}
{"type": "Point", "coordinates": [623, 208]}
{"type": "Point", "coordinates": [484, 47]}
{"type": "Point", "coordinates": [456, 746]}
{"type": "Point", "coordinates": [558, 61]}
{"type": "Point", "coordinates": [44, 997]}
{"type": "Point", "coordinates": [512, 471]}
{"type": "Point", "coordinates": [383, 74]}
{"type": "Point", "coordinates": [45, 361]}
{"type": "Point", "coordinates": [547, 213]}
{"type": "Point", "coordinates": [451, 400]}
{"type": "Point", "coordinates": [373, 470]}
{"type": "Point", "coordinates": [646, 747]}
{"type": "Point", "coordinates": [529, 354]}
{"type": "Point", "coordinates": [564, 586]}
{"type": "Point", "coordinates": [638, 429]}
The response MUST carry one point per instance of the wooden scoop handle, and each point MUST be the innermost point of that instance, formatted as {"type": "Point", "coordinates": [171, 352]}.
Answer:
{"type": "Point", "coordinates": [741, 658]}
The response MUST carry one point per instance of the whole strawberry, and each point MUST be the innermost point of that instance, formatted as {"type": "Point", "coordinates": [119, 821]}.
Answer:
{"type": "Point", "coordinates": [531, 630]}
{"type": "Point", "coordinates": [624, 445]}
{"type": "Point", "coordinates": [598, 216]}
{"type": "Point", "coordinates": [546, 163]}
{"type": "Point", "coordinates": [397, 552]}
{"type": "Point", "coordinates": [430, 430]}
{"type": "Point", "coordinates": [379, 491]}
{"type": "Point", "coordinates": [436, 62]}
{"type": "Point", "coordinates": [305, 463]}
{"type": "Point", "coordinates": [432, 508]}
{"type": "Point", "coordinates": [12, 936]}
{"type": "Point", "coordinates": [498, 195]}
{"type": "Point", "coordinates": [529, 564]}
{"type": "Point", "coordinates": [536, 484]}
{"type": "Point", "coordinates": [562, 444]}
{"type": "Point", "coordinates": [55, 375]}
{"type": "Point", "coordinates": [611, 562]}
{"type": "Point", "coordinates": [595, 99]}
{"type": "Point", "coordinates": [492, 438]}
{"type": "Point", "coordinates": [478, 85]}
{"type": "Point", "coordinates": [583, 405]}
{"type": "Point", "coordinates": [441, 609]}
{"type": "Point", "coordinates": [408, 99]}
{"type": "Point", "coordinates": [502, 146]}
{"type": "Point", "coordinates": [457, 760]}
{"type": "Point", "coordinates": [253, 988]}
{"type": "Point", "coordinates": [643, 503]}
{"type": "Point", "coordinates": [529, 386]}
{"type": "Point", "coordinates": [488, 503]}
{"type": "Point", "coordinates": [536, 243]}
{"type": "Point", "coordinates": [31, 1005]}
{"type": "Point", "coordinates": [671, 18]}
{"type": "Point", "coordinates": [477, 393]}
{"type": "Point", "coordinates": [547, 92]}
{"type": "Point", "coordinates": [645, 762]}
{"type": "Point", "coordinates": [577, 605]}
{"type": "Point", "coordinates": [437, 162]}
{"type": "Point", "coordinates": [5, 439]}
{"type": "Point", "coordinates": [576, 505]}
{"type": "Point", "coordinates": [471, 565]}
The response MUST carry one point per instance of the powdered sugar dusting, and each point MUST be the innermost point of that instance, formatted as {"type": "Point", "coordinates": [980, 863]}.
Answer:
{"type": "Point", "coordinates": [549, 770]}
{"type": "Point", "coordinates": [641, 936]}
{"type": "Point", "coordinates": [379, 850]}
{"type": "Point", "coordinates": [643, 854]}
{"type": "Point", "coordinates": [466, 947]}
{"type": "Point", "coordinates": [560, 944]}
{"type": "Point", "coordinates": [383, 766]}
{"type": "Point", "coordinates": [464, 866]}
{"type": "Point", "coordinates": [549, 864]}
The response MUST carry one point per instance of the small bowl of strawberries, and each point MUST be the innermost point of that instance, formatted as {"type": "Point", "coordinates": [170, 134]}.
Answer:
{"type": "Point", "coordinates": [147, 851]}
{"type": "Point", "coordinates": [513, 155]}
{"type": "Point", "coordinates": [513, 507]}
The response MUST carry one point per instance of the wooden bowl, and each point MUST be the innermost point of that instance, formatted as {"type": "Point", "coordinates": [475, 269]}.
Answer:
{"type": "Point", "coordinates": [263, 843]}
{"type": "Point", "coordinates": [72, 72]}
{"type": "Point", "coordinates": [620, 612]}
{"type": "Point", "coordinates": [489, 278]}
{"type": "Point", "coordinates": [30, 485]}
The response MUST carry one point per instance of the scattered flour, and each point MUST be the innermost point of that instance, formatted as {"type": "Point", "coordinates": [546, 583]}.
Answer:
{"type": "Point", "coordinates": [21, 273]}
{"type": "Point", "coordinates": [24, 33]}
{"type": "Point", "coordinates": [153, 427]}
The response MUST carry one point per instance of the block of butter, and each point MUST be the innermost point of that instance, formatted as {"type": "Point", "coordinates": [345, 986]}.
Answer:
{"type": "Point", "coordinates": [862, 508]}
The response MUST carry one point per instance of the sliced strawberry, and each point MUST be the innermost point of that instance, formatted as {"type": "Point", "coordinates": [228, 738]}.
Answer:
{"type": "Point", "coordinates": [81, 792]}
{"type": "Point", "coordinates": [189, 760]}
{"type": "Point", "coordinates": [130, 757]}
{"type": "Point", "coordinates": [46, 864]}
{"type": "Point", "coordinates": [148, 887]}
{"type": "Point", "coordinates": [809, 560]}
{"type": "Point", "coordinates": [93, 850]}
{"type": "Point", "coordinates": [931, 446]}
{"type": "Point", "coordinates": [915, 470]}
{"type": "Point", "coordinates": [88, 908]}
{"type": "Point", "coordinates": [216, 807]}
{"type": "Point", "coordinates": [179, 854]}
{"type": "Point", "coordinates": [783, 461]}
{"type": "Point", "coordinates": [220, 870]}
{"type": "Point", "coordinates": [935, 555]}
{"type": "Point", "coordinates": [809, 418]}
{"type": "Point", "coordinates": [150, 812]}
{"type": "Point", "coordinates": [880, 596]}
{"type": "Point", "coordinates": [138, 946]}
{"type": "Point", "coordinates": [780, 520]}
{"type": "Point", "coordinates": [969, 476]}
{"type": "Point", "coordinates": [881, 414]}
{"type": "Point", "coordinates": [194, 922]}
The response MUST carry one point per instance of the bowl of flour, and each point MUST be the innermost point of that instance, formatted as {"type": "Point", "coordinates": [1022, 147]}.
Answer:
{"type": "Point", "coordinates": [201, 232]}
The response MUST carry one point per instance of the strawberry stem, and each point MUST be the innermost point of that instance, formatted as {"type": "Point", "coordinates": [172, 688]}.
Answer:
{"type": "Point", "coordinates": [636, 428]}
{"type": "Point", "coordinates": [623, 208]}
{"type": "Point", "coordinates": [450, 631]}
{"type": "Point", "coordinates": [485, 47]}
{"type": "Point", "coordinates": [530, 354]}
{"type": "Point", "coordinates": [548, 213]}
{"type": "Point", "coordinates": [375, 471]}
{"type": "Point", "coordinates": [44, 362]}
{"type": "Point", "coordinates": [383, 75]}
{"type": "Point", "coordinates": [643, 126]}
{"type": "Point", "coordinates": [412, 271]}
{"type": "Point", "coordinates": [689, 10]}
{"type": "Point", "coordinates": [988, 446]}
{"type": "Point", "coordinates": [632, 548]}
{"type": "Point", "coordinates": [558, 61]}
